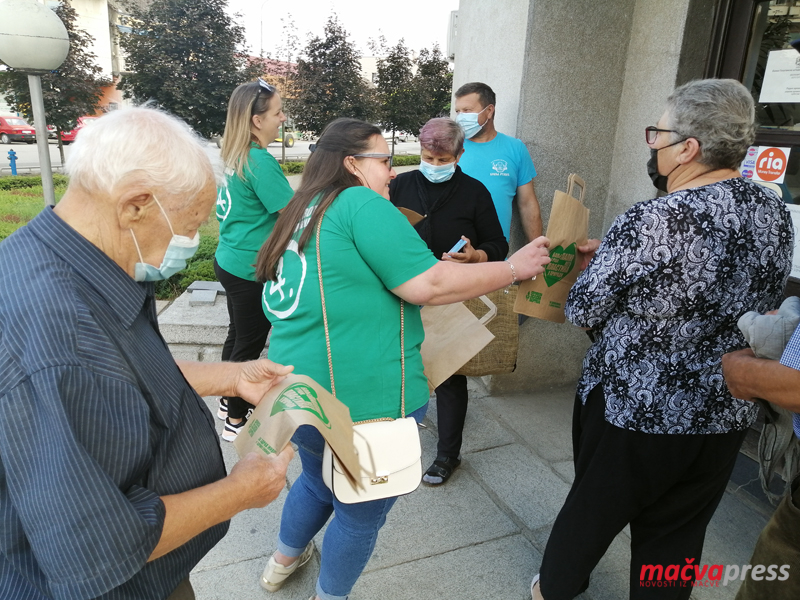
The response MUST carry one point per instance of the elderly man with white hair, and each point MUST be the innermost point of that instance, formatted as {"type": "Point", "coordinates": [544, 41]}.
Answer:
{"type": "Point", "coordinates": [112, 482]}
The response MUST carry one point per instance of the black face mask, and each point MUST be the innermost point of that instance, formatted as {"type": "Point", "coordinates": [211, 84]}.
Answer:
{"type": "Point", "coordinates": [660, 181]}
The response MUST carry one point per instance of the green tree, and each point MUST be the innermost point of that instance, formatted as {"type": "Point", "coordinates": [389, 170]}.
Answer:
{"type": "Point", "coordinates": [187, 56]}
{"type": "Point", "coordinates": [74, 90]}
{"type": "Point", "coordinates": [433, 85]}
{"type": "Point", "coordinates": [399, 106]}
{"type": "Point", "coordinates": [329, 82]}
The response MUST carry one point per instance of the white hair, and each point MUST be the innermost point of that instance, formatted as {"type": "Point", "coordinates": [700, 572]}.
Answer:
{"type": "Point", "coordinates": [140, 144]}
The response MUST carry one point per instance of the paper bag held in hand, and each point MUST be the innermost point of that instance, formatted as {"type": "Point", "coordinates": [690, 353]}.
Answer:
{"type": "Point", "coordinates": [568, 228]}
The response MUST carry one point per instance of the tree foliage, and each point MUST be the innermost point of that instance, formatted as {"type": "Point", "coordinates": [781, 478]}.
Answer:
{"type": "Point", "coordinates": [329, 82]}
{"type": "Point", "coordinates": [433, 84]}
{"type": "Point", "coordinates": [399, 107]}
{"type": "Point", "coordinates": [74, 90]}
{"type": "Point", "coordinates": [188, 56]}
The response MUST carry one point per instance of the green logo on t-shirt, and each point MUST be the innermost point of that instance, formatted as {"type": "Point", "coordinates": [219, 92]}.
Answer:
{"type": "Point", "coordinates": [561, 262]}
{"type": "Point", "coordinates": [300, 396]}
{"type": "Point", "coordinates": [223, 203]}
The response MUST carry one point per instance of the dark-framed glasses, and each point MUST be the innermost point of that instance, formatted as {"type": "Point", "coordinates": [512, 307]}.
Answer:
{"type": "Point", "coordinates": [376, 155]}
{"type": "Point", "coordinates": [651, 133]}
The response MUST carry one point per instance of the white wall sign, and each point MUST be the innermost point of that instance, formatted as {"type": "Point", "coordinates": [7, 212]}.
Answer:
{"type": "Point", "coordinates": [782, 77]}
{"type": "Point", "coordinates": [765, 163]}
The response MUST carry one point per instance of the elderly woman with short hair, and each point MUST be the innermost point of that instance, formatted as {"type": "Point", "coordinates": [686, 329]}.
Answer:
{"type": "Point", "coordinates": [456, 207]}
{"type": "Point", "coordinates": [655, 430]}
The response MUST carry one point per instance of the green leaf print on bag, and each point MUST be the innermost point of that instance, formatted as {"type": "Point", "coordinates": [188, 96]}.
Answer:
{"type": "Point", "coordinates": [299, 396]}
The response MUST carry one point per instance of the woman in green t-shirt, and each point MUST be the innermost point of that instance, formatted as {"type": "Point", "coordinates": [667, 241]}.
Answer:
{"type": "Point", "coordinates": [255, 190]}
{"type": "Point", "coordinates": [371, 259]}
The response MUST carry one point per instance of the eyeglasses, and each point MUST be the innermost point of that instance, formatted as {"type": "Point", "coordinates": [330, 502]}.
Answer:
{"type": "Point", "coordinates": [651, 133]}
{"type": "Point", "coordinates": [376, 155]}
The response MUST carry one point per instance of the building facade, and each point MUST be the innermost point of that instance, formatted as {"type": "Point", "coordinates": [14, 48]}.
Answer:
{"type": "Point", "coordinates": [579, 81]}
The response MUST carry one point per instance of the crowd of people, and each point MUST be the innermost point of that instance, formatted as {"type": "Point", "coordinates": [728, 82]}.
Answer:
{"type": "Point", "coordinates": [116, 488]}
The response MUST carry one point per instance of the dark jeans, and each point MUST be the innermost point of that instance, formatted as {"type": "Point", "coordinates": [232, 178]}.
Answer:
{"type": "Point", "coordinates": [666, 486]}
{"type": "Point", "coordinates": [451, 412]}
{"type": "Point", "coordinates": [779, 546]}
{"type": "Point", "coordinates": [248, 328]}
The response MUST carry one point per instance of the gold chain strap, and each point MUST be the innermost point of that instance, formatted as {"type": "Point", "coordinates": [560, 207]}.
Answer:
{"type": "Point", "coordinates": [328, 338]}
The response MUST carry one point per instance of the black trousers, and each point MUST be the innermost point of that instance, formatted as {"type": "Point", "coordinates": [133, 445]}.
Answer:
{"type": "Point", "coordinates": [451, 412]}
{"type": "Point", "coordinates": [666, 486]}
{"type": "Point", "coordinates": [248, 328]}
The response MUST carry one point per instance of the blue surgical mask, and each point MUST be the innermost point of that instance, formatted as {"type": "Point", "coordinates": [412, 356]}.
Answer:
{"type": "Point", "coordinates": [180, 249]}
{"type": "Point", "coordinates": [437, 174]}
{"type": "Point", "coordinates": [469, 123]}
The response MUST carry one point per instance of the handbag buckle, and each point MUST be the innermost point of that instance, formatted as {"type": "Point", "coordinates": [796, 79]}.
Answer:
{"type": "Point", "coordinates": [380, 477]}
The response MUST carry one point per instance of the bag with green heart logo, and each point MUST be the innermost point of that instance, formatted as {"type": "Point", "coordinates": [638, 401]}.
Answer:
{"type": "Point", "coordinates": [568, 228]}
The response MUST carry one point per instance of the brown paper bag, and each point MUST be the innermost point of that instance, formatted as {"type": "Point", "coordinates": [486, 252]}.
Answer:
{"type": "Point", "coordinates": [568, 228]}
{"type": "Point", "coordinates": [453, 335]}
{"type": "Point", "coordinates": [500, 356]}
{"type": "Point", "coordinates": [299, 400]}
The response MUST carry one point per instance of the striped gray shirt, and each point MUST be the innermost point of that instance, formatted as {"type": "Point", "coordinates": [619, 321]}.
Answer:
{"type": "Point", "coordinates": [96, 423]}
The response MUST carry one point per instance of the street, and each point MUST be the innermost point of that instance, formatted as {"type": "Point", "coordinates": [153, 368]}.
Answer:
{"type": "Point", "coordinates": [28, 154]}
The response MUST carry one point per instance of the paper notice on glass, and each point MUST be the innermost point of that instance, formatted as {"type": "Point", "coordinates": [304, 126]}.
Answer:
{"type": "Point", "coordinates": [781, 77]}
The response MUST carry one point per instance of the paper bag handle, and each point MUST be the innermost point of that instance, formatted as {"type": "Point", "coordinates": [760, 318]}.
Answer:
{"type": "Point", "coordinates": [574, 180]}
{"type": "Point", "coordinates": [491, 314]}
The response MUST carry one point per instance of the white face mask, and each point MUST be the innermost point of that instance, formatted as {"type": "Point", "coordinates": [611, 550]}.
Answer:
{"type": "Point", "coordinates": [179, 250]}
{"type": "Point", "coordinates": [469, 123]}
{"type": "Point", "coordinates": [437, 173]}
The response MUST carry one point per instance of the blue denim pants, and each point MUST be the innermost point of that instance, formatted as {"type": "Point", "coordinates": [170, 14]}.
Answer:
{"type": "Point", "coordinates": [351, 535]}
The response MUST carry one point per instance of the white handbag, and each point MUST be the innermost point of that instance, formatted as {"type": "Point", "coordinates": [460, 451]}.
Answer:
{"type": "Point", "coordinates": [389, 451]}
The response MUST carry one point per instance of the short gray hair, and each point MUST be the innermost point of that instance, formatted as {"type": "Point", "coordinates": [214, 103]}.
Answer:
{"type": "Point", "coordinates": [144, 144]}
{"type": "Point", "coordinates": [720, 114]}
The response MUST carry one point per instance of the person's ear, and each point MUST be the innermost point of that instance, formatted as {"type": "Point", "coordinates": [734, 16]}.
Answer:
{"type": "Point", "coordinates": [691, 151]}
{"type": "Point", "coordinates": [255, 120]}
{"type": "Point", "coordinates": [491, 111]}
{"type": "Point", "coordinates": [350, 165]}
{"type": "Point", "coordinates": [133, 205]}
{"type": "Point", "coordinates": [460, 154]}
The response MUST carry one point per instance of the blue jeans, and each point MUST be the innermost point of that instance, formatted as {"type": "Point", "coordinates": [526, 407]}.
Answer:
{"type": "Point", "coordinates": [351, 536]}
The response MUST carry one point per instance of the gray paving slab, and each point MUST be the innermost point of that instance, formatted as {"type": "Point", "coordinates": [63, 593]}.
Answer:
{"type": "Point", "coordinates": [543, 420]}
{"type": "Point", "coordinates": [500, 569]}
{"type": "Point", "coordinates": [186, 351]}
{"type": "Point", "coordinates": [522, 481]}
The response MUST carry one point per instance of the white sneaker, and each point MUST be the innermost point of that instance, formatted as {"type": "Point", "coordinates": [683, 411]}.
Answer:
{"type": "Point", "coordinates": [276, 574]}
{"type": "Point", "coordinates": [222, 411]}
{"type": "Point", "coordinates": [231, 430]}
{"type": "Point", "coordinates": [533, 585]}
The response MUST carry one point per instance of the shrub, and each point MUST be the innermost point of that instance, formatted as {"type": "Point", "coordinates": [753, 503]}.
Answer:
{"type": "Point", "coordinates": [403, 160]}
{"type": "Point", "coordinates": [16, 182]}
{"type": "Point", "coordinates": [293, 168]}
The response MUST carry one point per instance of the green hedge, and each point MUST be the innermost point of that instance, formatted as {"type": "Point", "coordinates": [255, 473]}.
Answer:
{"type": "Point", "coordinates": [400, 160]}
{"type": "Point", "coordinates": [18, 182]}
{"type": "Point", "coordinates": [403, 160]}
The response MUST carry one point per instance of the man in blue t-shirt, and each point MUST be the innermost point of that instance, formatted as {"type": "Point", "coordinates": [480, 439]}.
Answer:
{"type": "Point", "coordinates": [750, 378]}
{"type": "Point", "coordinates": [498, 161]}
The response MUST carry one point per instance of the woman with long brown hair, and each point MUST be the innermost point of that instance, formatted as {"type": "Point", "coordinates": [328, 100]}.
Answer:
{"type": "Point", "coordinates": [377, 272]}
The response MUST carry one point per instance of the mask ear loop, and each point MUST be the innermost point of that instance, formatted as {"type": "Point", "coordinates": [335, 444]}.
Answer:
{"type": "Point", "coordinates": [163, 212]}
{"type": "Point", "coordinates": [135, 243]}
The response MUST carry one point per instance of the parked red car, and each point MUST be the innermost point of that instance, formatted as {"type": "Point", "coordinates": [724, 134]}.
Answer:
{"type": "Point", "coordinates": [67, 137]}
{"type": "Point", "coordinates": [16, 129]}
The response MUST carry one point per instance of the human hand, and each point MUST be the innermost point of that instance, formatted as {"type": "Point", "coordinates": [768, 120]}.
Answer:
{"type": "Point", "coordinates": [734, 369]}
{"type": "Point", "coordinates": [529, 261]}
{"type": "Point", "coordinates": [261, 477]}
{"type": "Point", "coordinates": [467, 254]}
{"type": "Point", "coordinates": [587, 251]}
{"type": "Point", "coordinates": [253, 379]}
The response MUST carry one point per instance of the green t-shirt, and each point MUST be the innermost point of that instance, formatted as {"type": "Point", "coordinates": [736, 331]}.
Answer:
{"type": "Point", "coordinates": [247, 210]}
{"type": "Point", "coordinates": [367, 248]}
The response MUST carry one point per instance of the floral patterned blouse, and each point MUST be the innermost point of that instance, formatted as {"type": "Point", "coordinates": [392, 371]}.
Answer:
{"type": "Point", "coordinates": [662, 296]}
